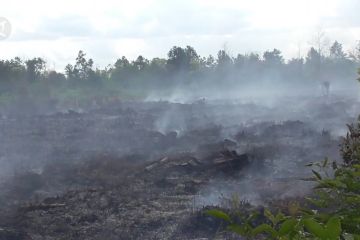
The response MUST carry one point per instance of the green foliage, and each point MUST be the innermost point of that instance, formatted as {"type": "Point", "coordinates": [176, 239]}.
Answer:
{"type": "Point", "coordinates": [219, 214]}
{"type": "Point", "coordinates": [183, 67]}
{"type": "Point", "coordinates": [351, 145]}
{"type": "Point", "coordinates": [332, 212]}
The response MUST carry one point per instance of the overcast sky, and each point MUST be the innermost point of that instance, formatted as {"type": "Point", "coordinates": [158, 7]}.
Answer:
{"type": "Point", "coordinates": [109, 29]}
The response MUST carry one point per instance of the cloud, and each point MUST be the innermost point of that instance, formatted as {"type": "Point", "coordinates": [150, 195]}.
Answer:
{"type": "Point", "coordinates": [66, 26]}
{"type": "Point", "coordinates": [110, 28]}
{"type": "Point", "coordinates": [167, 19]}
{"type": "Point", "coordinates": [347, 15]}
{"type": "Point", "coordinates": [55, 28]}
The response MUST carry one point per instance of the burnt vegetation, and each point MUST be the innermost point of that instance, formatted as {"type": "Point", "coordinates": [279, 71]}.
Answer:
{"type": "Point", "coordinates": [164, 149]}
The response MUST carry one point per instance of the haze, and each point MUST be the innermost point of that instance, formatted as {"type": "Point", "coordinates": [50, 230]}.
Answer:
{"type": "Point", "coordinates": [128, 120]}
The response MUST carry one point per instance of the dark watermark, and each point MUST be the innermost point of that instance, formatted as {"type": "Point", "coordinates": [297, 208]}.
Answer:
{"type": "Point", "coordinates": [5, 28]}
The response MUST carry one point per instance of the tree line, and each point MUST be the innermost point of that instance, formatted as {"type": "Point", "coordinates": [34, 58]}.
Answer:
{"type": "Point", "coordinates": [182, 67]}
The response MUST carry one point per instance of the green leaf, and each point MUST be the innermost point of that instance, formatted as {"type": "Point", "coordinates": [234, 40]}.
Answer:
{"type": "Point", "coordinates": [322, 217]}
{"type": "Point", "coordinates": [353, 199]}
{"type": "Point", "coordinates": [356, 237]}
{"type": "Point", "coordinates": [219, 214]}
{"type": "Point", "coordinates": [325, 162]}
{"type": "Point", "coordinates": [278, 218]}
{"type": "Point", "coordinates": [237, 229]}
{"type": "Point", "coordinates": [318, 176]}
{"type": "Point", "coordinates": [356, 174]}
{"type": "Point", "coordinates": [253, 216]}
{"type": "Point", "coordinates": [357, 166]}
{"type": "Point", "coordinates": [269, 216]}
{"type": "Point", "coordinates": [264, 228]}
{"type": "Point", "coordinates": [287, 226]}
{"type": "Point", "coordinates": [315, 228]}
{"type": "Point", "coordinates": [316, 202]}
{"type": "Point", "coordinates": [330, 183]}
{"type": "Point", "coordinates": [333, 228]}
{"type": "Point", "coordinates": [307, 211]}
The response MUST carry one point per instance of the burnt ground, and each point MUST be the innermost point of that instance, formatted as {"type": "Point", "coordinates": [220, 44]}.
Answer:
{"type": "Point", "coordinates": [146, 170]}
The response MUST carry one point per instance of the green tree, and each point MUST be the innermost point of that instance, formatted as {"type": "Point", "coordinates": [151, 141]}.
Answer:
{"type": "Point", "coordinates": [273, 58]}
{"type": "Point", "coordinates": [336, 51]}
{"type": "Point", "coordinates": [141, 63]}
{"type": "Point", "coordinates": [313, 63]}
{"type": "Point", "coordinates": [182, 59]}
{"type": "Point", "coordinates": [82, 72]}
{"type": "Point", "coordinates": [34, 69]}
{"type": "Point", "coordinates": [223, 59]}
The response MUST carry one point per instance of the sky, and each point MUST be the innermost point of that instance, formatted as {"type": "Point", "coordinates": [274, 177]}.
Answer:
{"type": "Point", "coordinates": [109, 29]}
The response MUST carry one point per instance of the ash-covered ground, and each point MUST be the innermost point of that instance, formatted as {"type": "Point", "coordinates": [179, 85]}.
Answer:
{"type": "Point", "coordinates": [145, 170]}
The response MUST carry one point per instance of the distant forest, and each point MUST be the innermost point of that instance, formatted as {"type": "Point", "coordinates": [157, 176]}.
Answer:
{"type": "Point", "coordinates": [183, 68]}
